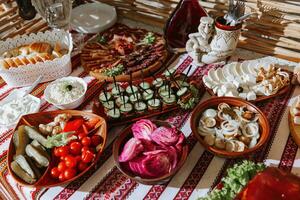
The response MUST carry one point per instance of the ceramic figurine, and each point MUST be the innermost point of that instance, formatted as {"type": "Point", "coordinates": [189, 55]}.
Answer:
{"type": "Point", "coordinates": [214, 42]}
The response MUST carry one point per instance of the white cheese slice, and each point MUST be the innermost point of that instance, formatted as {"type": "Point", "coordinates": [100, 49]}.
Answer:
{"type": "Point", "coordinates": [208, 82]}
{"type": "Point", "coordinates": [211, 75]}
{"type": "Point", "coordinates": [239, 70]}
{"type": "Point", "coordinates": [243, 95]}
{"type": "Point", "coordinates": [227, 74]}
{"type": "Point", "coordinates": [220, 76]}
{"type": "Point", "coordinates": [220, 93]}
{"type": "Point", "coordinates": [232, 69]}
{"type": "Point", "coordinates": [244, 68]}
{"type": "Point", "coordinates": [251, 96]}
{"type": "Point", "coordinates": [252, 70]}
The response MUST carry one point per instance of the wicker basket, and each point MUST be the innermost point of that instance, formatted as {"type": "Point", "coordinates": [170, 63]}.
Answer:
{"type": "Point", "coordinates": [50, 70]}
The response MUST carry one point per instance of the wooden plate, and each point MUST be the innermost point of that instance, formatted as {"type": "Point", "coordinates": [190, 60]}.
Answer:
{"type": "Point", "coordinates": [93, 57]}
{"type": "Point", "coordinates": [294, 128]}
{"type": "Point", "coordinates": [134, 116]}
{"type": "Point", "coordinates": [214, 102]}
{"type": "Point", "coordinates": [45, 117]}
{"type": "Point", "coordinates": [282, 91]}
{"type": "Point", "coordinates": [124, 137]}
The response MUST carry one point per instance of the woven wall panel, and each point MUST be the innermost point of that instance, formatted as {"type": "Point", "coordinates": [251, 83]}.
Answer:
{"type": "Point", "coordinates": [273, 30]}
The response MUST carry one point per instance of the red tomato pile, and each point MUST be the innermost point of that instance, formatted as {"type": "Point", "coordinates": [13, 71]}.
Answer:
{"type": "Point", "coordinates": [78, 154]}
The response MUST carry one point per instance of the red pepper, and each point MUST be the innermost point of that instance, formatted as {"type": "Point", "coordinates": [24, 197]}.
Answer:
{"type": "Point", "coordinates": [85, 129]}
{"type": "Point", "coordinates": [73, 125]}
{"type": "Point", "coordinates": [91, 123]}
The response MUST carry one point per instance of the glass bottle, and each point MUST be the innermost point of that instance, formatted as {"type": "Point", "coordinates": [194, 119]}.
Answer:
{"type": "Point", "coordinates": [26, 9]}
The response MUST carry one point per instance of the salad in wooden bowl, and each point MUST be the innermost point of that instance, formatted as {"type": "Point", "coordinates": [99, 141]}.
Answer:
{"type": "Point", "coordinates": [254, 181]}
{"type": "Point", "coordinates": [52, 148]}
{"type": "Point", "coordinates": [229, 127]}
{"type": "Point", "coordinates": [150, 152]}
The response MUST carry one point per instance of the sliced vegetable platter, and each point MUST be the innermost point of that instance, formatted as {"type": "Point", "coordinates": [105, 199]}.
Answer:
{"type": "Point", "coordinates": [53, 148]}
{"type": "Point", "coordinates": [193, 90]}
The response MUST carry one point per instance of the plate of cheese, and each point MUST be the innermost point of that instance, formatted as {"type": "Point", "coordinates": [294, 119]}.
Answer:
{"type": "Point", "coordinates": [249, 80]}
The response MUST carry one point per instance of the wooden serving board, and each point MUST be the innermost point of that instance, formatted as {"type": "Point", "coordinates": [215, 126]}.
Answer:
{"type": "Point", "coordinates": [282, 91]}
{"type": "Point", "coordinates": [134, 116]}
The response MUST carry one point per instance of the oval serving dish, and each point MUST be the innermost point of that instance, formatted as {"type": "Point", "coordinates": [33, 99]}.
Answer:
{"type": "Point", "coordinates": [119, 144]}
{"type": "Point", "coordinates": [264, 126]}
{"type": "Point", "coordinates": [45, 117]}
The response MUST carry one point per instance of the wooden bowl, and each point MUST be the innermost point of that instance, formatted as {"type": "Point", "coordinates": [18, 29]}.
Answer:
{"type": "Point", "coordinates": [294, 128]}
{"type": "Point", "coordinates": [119, 144]}
{"type": "Point", "coordinates": [45, 117]}
{"type": "Point", "coordinates": [214, 102]}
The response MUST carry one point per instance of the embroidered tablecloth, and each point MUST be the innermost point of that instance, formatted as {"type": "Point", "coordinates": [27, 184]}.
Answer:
{"type": "Point", "coordinates": [201, 172]}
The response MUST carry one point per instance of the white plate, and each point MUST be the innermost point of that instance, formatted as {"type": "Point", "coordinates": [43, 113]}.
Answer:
{"type": "Point", "coordinates": [93, 17]}
{"type": "Point", "coordinates": [18, 93]}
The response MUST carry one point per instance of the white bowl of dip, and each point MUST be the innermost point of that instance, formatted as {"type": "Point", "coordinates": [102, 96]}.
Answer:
{"type": "Point", "coordinates": [66, 93]}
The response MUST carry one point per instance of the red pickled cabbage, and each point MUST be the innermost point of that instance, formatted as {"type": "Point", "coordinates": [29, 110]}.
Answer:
{"type": "Point", "coordinates": [165, 136]}
{"type": "Point", "coordinates": [131, 149]}
{"type": "Point", "coordinates": [153, 165]}
{"type": "Point", "coordinates": [173, 156]}
{"type": "Point", "coordinates": [142, 129]}
{"type": "Point", "coordinates": [179, 143]}
{"type": "Point", "coordinates": [149, 145]}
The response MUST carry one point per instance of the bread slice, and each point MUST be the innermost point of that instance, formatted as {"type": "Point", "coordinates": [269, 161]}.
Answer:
{"type": "Point", "coordinates": [18, 61]}
{"type": "Point", "coordinates": [10, 62]}
{"type": "Point", "coordinates": [4, 64]}
{"type": "Point", "coordinates": [40, 47]}
{"type": "Point", "coordinates": [24, 60]}
{"type": "Point", "coordinates": [31, 59]}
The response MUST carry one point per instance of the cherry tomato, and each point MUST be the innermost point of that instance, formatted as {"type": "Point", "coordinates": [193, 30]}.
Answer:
{"type": "Point", "coordinates": [87, 156]}
{"type": "Point", "coordinates": [69, 173]}
{"type": "Point", "coordinates": [78, 158]}
{"type": "Point", "coordinates": [81, 135]}
{"type": "Point", "coordinates": [62, 158]}
{"type": "Point", "coordinates": [84, 149]}
{"type": "Point", "coordinates": [61, 177]}
{"type": "Point", "coordinates": [82, 166]}
{"type": "Point", "coordinates": [86, 141]}
{"type": "Point", "coordinates": [54, 172]}
{"type": "Point", "coordinates": [56, 152]}
{"type": "Point", "coordinates": [61, 166]}
{"type": "Point", "coordinates": [75, 148]}
{"type": "Point", "coordinates": [96, 140]}
{"type": "Point", "coordinates": [70, 161]}
{"type": "Point", "coordinates": [63, 151]}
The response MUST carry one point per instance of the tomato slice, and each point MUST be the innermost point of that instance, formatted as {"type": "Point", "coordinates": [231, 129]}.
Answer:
{"type": "Point", "coordinates": [73, 125]}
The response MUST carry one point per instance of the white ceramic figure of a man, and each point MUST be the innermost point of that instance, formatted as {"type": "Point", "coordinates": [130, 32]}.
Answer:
{"type": "Point", "coordinates": [198, 43]}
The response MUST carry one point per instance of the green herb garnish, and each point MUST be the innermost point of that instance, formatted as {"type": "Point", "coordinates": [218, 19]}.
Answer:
{"type": "Point", "coordinates": [193, 100]}
{"type": "Point", "coordinates": [101, 39]}
{"type": "Point", "coordinates": [60, 139]}
{"type": "Point", "coordinates": [148, 39]}
{"type": "Point", "coordinates": [117, 70]}
{"type": "Point", "coordinates": [69, 87]}
{"type": "Point", "coordinates": [237, 178]}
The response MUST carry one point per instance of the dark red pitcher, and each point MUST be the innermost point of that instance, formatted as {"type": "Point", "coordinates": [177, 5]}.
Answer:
{"type": "Point", "coordinates": [184, 20]}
